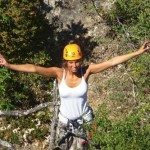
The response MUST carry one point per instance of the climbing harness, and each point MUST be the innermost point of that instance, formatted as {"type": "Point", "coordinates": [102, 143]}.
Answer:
{"type": "Point", "coordinates": [70, 132]}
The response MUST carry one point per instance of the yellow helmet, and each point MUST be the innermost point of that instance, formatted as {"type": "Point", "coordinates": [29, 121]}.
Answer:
{"type": "Point", "coordinates": [72, 52]}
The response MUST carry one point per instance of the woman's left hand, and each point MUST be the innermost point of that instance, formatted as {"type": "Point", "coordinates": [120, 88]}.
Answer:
{"type": "Point", "coordinates": [145, 47]}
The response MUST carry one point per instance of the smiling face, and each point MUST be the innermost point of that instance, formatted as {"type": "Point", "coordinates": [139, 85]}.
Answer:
{"type": "Point", "coordinates": [73, 65]}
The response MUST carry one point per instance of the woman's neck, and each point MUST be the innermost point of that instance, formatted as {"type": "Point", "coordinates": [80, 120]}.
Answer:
{"type": "Point", "coordinates": [73, 74]}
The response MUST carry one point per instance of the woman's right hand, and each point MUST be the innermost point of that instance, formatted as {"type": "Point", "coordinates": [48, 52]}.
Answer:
{"type": "Point", "coordinates": [145, 47]}
{"type": "Point", "coordinates": [3, 61]}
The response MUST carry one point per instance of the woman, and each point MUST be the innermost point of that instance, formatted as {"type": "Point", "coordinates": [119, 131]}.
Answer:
{"type": "Point", "coordinates": [72, 79]}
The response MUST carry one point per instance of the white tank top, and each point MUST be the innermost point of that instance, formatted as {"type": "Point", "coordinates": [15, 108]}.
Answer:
{"type": "Point", "coordinates": [73, 101]}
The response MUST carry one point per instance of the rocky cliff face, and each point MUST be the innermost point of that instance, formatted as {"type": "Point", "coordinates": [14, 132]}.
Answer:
{"type": "Point", "coordinates": [86, 12]}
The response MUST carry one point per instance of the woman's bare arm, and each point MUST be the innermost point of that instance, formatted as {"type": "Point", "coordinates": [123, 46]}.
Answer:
{"type": "Point", "coordinates": [96, 68]}
{"type": "Point", "coordinates": [30, 68]}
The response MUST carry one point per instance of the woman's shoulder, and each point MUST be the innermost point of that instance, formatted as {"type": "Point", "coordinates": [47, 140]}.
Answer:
{"type": "Point", "coordinates": [59, 72]}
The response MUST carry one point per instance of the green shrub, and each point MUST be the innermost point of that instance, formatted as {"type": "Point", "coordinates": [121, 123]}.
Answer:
{"type": "Point", "coordinates": [131, 19]}
{"type": "Point", "coordinates": [128, 133]}
{"type": "Point", "coordinates": [24, 33]}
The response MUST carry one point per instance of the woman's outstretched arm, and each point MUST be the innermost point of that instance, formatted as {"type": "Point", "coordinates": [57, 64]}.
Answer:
{"type": "Point", "coordinates": [96, 68]}
{"type": "Point", "coordinates": [29, 68]}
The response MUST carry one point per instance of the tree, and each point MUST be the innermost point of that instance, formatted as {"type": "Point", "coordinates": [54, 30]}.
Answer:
{"type": "Point", "coordinates": [24, 33]}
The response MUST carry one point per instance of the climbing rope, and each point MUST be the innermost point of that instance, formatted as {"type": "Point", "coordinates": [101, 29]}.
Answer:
{"type": "Point", "coordinates": [52, 141]}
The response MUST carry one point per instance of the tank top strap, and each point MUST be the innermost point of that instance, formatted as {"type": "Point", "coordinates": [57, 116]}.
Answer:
{"type": "Point", "coordinates": [64, 74]}
{"type": "Point", "coordinates": [82, 73]}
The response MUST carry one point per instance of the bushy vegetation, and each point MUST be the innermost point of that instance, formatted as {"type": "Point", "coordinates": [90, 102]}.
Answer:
{"type": "Point", "coordinates": [24, 34]}
{"type": "Point", "coordinates": [124, 124]}
{"type": "Point", "coordinates": [130, 19]}
{"type": "Point", "coordinates": [131, 132]}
